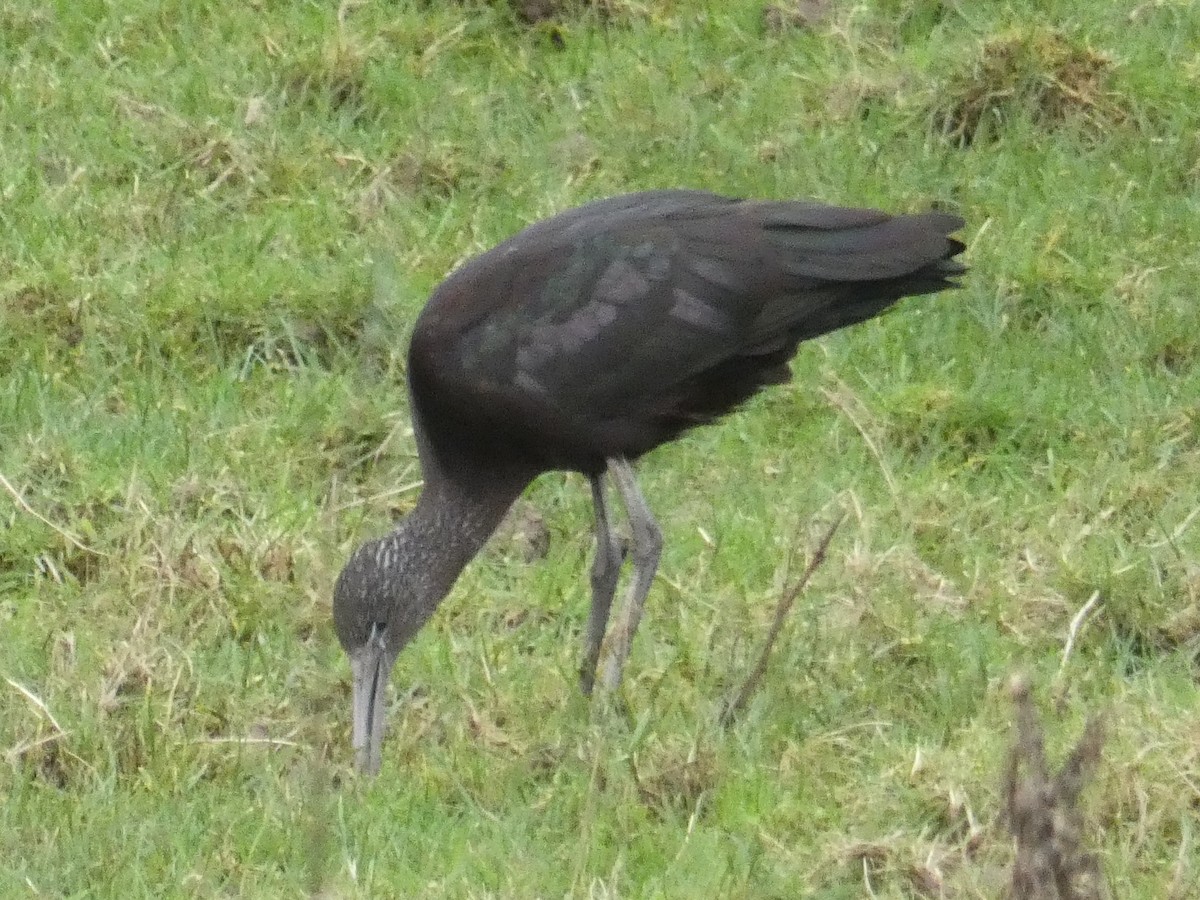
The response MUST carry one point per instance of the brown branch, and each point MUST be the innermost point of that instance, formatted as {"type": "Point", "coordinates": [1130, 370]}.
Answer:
{"type": "Point", "coordinates": [737, 705]}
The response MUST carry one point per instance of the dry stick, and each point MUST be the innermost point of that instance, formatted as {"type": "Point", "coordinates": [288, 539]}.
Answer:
{"type": "Point", "coordinates": [1078, 622]}
{"type": "Point", "coordinates": [738, 704]}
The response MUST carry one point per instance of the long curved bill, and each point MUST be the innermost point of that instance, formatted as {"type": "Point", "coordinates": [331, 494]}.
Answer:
{"type": "Point", "coordinates": [370, 665]}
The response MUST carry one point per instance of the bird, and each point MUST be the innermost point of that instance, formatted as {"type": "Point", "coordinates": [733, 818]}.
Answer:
{"type": "Point", "coordinates": [582, 343]}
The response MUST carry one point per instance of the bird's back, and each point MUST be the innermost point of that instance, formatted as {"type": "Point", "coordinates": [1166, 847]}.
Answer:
{"type": "Point", "coordinates": [609, 329]}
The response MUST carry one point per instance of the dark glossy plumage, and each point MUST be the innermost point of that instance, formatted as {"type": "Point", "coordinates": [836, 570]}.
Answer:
{"type": "Point", "coordinates": [607, 330]}
{"type": "Point", "coordinates": [582, 343]}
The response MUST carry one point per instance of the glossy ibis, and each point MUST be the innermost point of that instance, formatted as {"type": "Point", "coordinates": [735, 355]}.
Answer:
{"type": "Point", "coordinates": [582, 343]}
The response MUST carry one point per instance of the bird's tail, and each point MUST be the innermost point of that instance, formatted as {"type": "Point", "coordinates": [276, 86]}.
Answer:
{"type": "Point", "coordinates": [848, 272]}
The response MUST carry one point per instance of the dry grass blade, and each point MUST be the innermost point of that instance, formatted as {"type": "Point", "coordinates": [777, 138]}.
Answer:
{"type": "Point", "coordinates": [1043, 811]}
{"type": "Point", "coordinates": [250, 741]}
{"type": "Point", "coordinates": [735, 706]}
{"type": "Point", "coordinates": [15, 753]}
{"type": "Point", "coordinates": [24, 505]}
{"type": "Point", "coordinates": [37, 702]}
{"type": "Point", "coordinates": [843, 400]}
{"type": "Point", "coordinates": [1076, 626]}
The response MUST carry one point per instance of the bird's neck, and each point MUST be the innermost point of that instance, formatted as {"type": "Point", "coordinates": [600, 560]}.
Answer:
{"type": "Point", "coordinates": [450, 524]}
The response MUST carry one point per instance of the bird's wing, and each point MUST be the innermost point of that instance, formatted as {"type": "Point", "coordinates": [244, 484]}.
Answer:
{"type": "Point", "coordinates": [618, 334]}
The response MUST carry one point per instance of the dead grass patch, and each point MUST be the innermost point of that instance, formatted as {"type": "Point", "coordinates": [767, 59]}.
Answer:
{"type": "Point", "coordinates": [49, 311]}
{"type": "Point", "coordinates": [1037, 72]}
{"type": "Point", "coordinates": [790, 15]}
{"type": "Point", "coordinates": [523, 533]}
{"type": "Point", "coordinates": [858, 96]}
{"type": "Point", "coordinates": [217, 158]}
{"type": "Point", "coordinates": [21, 22]}
{"type": "Point", "coordinates": [428, 174]}
{"type": "Point", "coordinates": [669, 776]}
{"type": "Point", "coordinates": [920, 871]}
{"type": "Point", "coordinates": [333, 76]}
{"type": "Point", "coordinates": [488, 730]}
{"type": "Point", "coordinates": [279, 344]}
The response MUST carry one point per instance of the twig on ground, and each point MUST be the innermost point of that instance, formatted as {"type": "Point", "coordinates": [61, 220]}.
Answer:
{"type": "Point", "coordinates": [735, 706]}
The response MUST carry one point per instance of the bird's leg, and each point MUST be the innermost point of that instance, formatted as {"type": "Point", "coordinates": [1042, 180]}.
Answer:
{"type": "Point", "coordinates": [646, 549]}
{"type": "Point", "coordinates": [606, 569]}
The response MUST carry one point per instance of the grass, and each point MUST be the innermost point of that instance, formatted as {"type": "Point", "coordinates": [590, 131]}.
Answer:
{"type": "Point", "coordinates": [217, 223]}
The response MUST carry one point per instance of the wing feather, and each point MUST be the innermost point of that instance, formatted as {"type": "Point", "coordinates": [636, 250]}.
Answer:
{"type": "Point", "coordinates": [611, 328]}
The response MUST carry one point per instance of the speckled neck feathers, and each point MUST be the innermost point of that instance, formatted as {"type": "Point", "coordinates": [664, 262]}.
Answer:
{"type": "Point", "coordinates": [449, 526]}
{"type": "Point", "coordinates": [398, 580]}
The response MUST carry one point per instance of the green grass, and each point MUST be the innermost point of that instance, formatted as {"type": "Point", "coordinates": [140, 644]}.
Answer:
{"type": "Point", "coordinates": [217, 222]}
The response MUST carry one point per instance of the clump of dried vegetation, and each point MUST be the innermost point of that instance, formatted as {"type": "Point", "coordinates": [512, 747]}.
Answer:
{"type": "Point", "coordinates": [1038, 72]}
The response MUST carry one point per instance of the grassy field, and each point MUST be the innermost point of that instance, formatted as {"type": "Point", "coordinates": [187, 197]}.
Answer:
{"type": "Point", "coordinates": [217, 222]}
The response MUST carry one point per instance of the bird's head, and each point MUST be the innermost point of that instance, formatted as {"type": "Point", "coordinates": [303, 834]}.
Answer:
{"type": "Point", "coordinates": [391, 586]}
{"type": "Point", "coordinates": [380, 601]}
